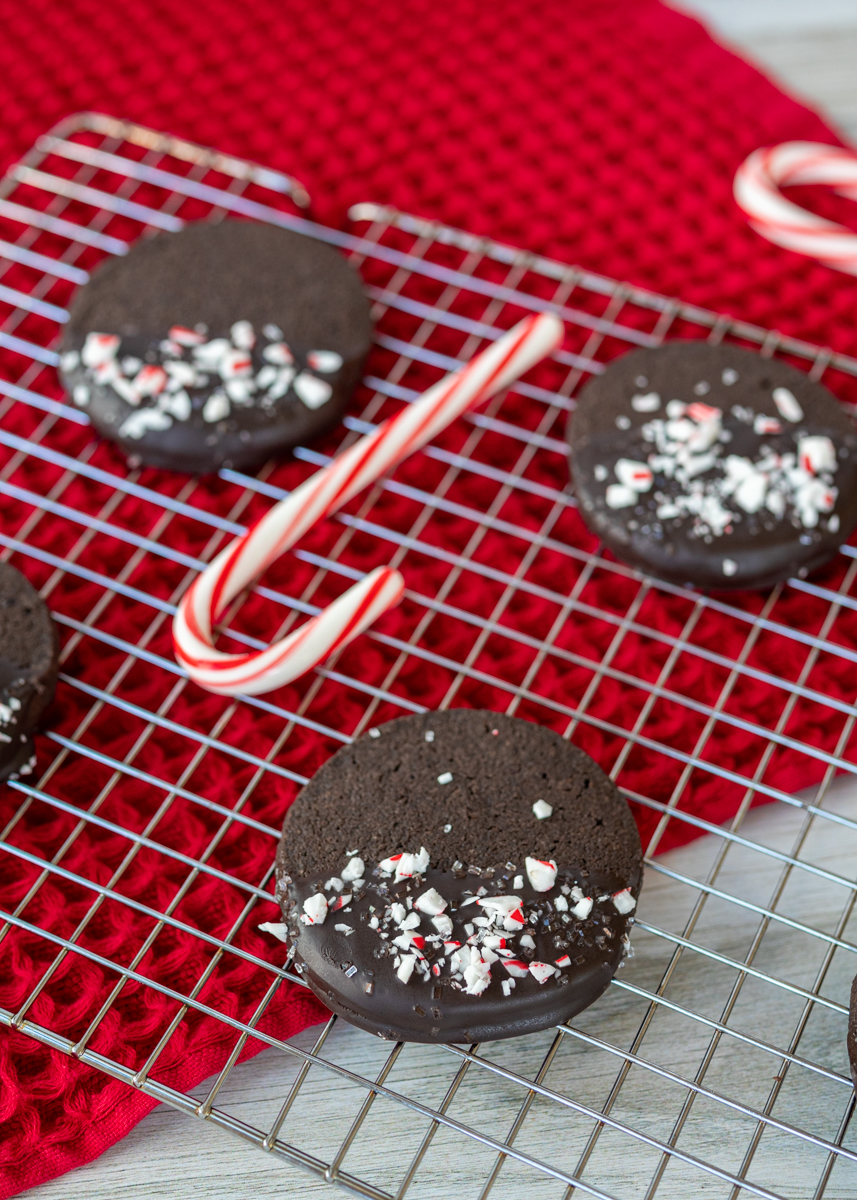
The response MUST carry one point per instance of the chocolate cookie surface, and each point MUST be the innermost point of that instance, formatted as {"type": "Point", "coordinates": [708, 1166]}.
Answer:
{"type": "Point", "coordinates": [713, 466]}
{"type": "Point", "coordinates": [219, 345]}
{"type": "Point", "coordinates": [28, 669]}
{"type": "Point", "coordinates": [458, 876]}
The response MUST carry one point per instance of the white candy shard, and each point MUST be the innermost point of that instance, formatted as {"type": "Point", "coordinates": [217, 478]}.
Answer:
{"type": "Point", "coordinates": [542, 875]}
{"type": "Point", "coordinates": [208, 354]}
{"type": "Point", "coordinates": [144, 419]}
{"type": "Point", "coordinates": [816, 454]}
{"type": "Point", "coordinates": [477, 976]}
{"type": "Point", "coordinates": [185, 336]}
{"type": "Point", "coordinates": [516, 968]}
{"type": "Point", "coordinates": [334, 884]}
{"type": "Point", "coordinates": [275, 928]}
{"type": "Point", "coordinates": [650, 402]}
{"type": "Point", "coordinates": [504, 910]}
{"type": "Point", "coordinates": [177, 404]}
{"type": "Point", "coordinates": [313, 392]}
{"type": "Point", "coordinates": [315, 910]}
{"type": "Point", "coordinates": [527, 941]}
{"type": "Point", "coordinates": [582, 908]}
{"type": "Point", "coordinates": [542, 971]}
{"type": "Point", "coordinates": [518, 882]}
{"type": "Point", "coordinates": [406, 865]}
{"type": "Point", "coordinates": [279, 354]}
{"type": "Point", "coordinates": [561, 904]}
{"type": "Point", "coordinates": [243, 335]}
{"type": "Point", "coordinates": [729, 566]}
{"type": "Point", "coordinates": [346, 929]}
{"type": "Point", "coordinates": [216, 407]}
{"type": "Point", "coordinates": [431, 903]}
{"type": "Point", "coordinates": [542, 810]}
{"type": "Point", "coordinates": [446, 777]}
{"type": "Point", "coordinates": [787, 404]}
{"type": "Point", "coordinates": [411, 921]}
{"type": "Point", "coordinates": [354, 870]}
{"type": "Point", "coordinates": [326, 361]}
{"type": "Point", "coordinates": [624, 901]}
{"type": "Point", "coordinates": [406, 967]}
{"type": "Point", "coordinates": [619, 496]}
{"type": "Point", "coordinates": [763, 424]}
{"type": "Point", "coordinates": [99, 348]}
{"type": "Point", "coordinates": [443, 925]}
{"type": "Point", "coordinates": [235, 364]}
{"type": "Point", "coordinates": [634, 475]}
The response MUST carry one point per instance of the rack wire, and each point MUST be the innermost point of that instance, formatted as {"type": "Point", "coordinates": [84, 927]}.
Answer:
{"type": "Point", "coordinates": [715, 1064]}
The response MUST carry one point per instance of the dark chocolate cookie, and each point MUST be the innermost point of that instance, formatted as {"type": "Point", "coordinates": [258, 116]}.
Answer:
{"type": "Point", "coordinates": [28, 669]}
{"type": "Point", "coordinates": [713, 466]}
{"type": "Point", "coordinates": [852, 1032]}
{"type": "Point", "coordinates": [220, 345]}
{"type": "Point", "coordinates": [457, 877]}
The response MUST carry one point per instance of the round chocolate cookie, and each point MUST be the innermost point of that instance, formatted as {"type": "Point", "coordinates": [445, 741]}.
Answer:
{"type": "Point", "coordinates": [712, 466]}
{"type": "Point", "coordinates": [217, 346]}
{"type": "Point", "coordinates": [28, 669]}
{"type": "Point", "coordinates": [458, 876]}
{"type": "Point", "coordinates": [852, 1032]}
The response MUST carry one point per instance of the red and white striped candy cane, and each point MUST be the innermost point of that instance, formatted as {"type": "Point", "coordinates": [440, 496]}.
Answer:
{"type": "Point", "coordinates": [757, 184]}
{"type": "Point", "coordinates": [322, 494]}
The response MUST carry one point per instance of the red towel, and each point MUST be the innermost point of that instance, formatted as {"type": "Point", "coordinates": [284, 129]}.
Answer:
{"type": "Point", "coordinates": [605, 134]}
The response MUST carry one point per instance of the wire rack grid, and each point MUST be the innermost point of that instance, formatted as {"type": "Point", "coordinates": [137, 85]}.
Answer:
{"type": "Point", "coordinates": [715, 1064]}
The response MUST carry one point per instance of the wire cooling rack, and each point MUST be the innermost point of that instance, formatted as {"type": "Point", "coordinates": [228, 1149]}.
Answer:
{"type": "Point", "coordinates": [715, 1064]}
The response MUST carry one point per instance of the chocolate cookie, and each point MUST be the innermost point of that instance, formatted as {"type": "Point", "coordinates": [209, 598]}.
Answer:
{"type": "Point", "coordinates": [28, 669]}
{"type": "Point", "coordinates": [713, 466]}
{"type": "Point", "coordinates": [217, 346]}
{"type": "Point", "coordinates": [457, 877]}
{"type": "Point", "coordinates": [852, 1032]}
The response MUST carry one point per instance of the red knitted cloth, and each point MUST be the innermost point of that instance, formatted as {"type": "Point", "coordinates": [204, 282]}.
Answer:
{"type": "Point", "coordinates": [605, 134]}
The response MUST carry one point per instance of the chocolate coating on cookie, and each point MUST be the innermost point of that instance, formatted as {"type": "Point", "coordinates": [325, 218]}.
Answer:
{"type": "Point", "coordinates": [426, 899]}
{"type": "Point", "coordinates": [219, 345]}
{"type": "Point", "coordinates": [712, 466]}
{"type": "Point", "coordinates": [28, 669]}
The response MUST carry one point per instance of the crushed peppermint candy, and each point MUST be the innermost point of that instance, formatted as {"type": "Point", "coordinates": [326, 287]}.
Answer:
{"type": "Point", "coordinates": [624, 901]}
{"type": "Point", "coordinates": [542, 810]}
{"type": "Point", "coordinates": [315, 910]}
{"type": "Point", "coordinates": [542, 875]}
{"type": "Point", "coordinates": [691, 473]}
{"type": "Point", "coordinates": [276, 929]}
{"type": "Point", "coordinates": [189, 372]}
{"type": "Point", "coordinates": [462, 941]}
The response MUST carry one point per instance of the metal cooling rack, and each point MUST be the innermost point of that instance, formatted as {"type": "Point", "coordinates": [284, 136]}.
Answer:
{"type": "Point", "coordinates": [688, 1003]}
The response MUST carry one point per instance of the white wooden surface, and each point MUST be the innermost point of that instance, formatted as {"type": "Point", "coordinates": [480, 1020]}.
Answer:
{"type": "Point", "coordinates": [812, 50]}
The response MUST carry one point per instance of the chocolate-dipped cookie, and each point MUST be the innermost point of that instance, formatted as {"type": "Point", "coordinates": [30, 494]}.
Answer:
{"type": "Point", "coordinates": [458, 876]}
{"type": "Point", "coordinates": [217, 346]}
{"type": "Point", "coordinates": [28, 669]}
{"type": "Point", "coordinates": [713, 466]}
{"type": "Point", "coordinates": [852, 1032]}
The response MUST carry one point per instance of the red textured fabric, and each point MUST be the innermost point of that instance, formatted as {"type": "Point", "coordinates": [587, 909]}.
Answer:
{"type": "Point", "coordinates": [605, 134]}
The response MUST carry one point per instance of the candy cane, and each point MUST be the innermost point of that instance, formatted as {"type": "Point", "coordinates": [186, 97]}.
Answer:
{"type": "Point", "coordinates": [757, 184]}
{"type": "Point", "coordinates": [322, 494]}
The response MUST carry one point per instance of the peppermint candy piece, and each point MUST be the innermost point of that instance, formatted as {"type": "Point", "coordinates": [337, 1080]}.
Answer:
{"type": "Point", "coordinates": [542, 875]}
{"type": "Point", "coordinates": [315, 910]}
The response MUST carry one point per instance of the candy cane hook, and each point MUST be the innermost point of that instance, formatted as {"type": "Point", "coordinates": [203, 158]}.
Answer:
{"type": "Point", "coordinates": [757, 190]}
{"type": "Point", "coordinates": [319, 496]}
